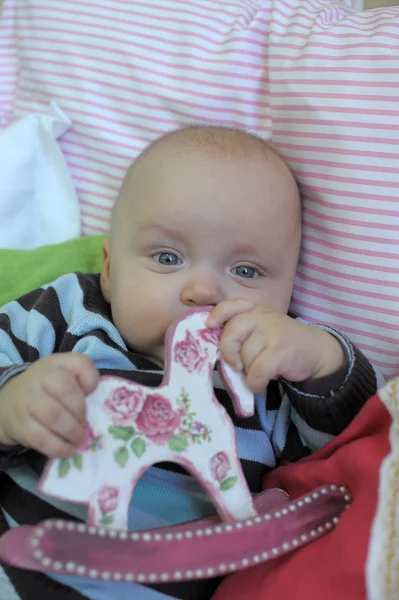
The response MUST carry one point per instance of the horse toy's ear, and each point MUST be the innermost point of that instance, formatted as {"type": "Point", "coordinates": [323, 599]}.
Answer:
{"type": "Point", "coordinates": [130, 427]}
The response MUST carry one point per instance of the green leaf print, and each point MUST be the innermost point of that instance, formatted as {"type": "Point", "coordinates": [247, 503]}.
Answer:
{"type": "Point", "coordinates": [107, 520]}
{"type": "Point", "coordinates": [227, 483]}
{"type": "Point", "coordinates": [121, 433]}
{"type": "Point", "coordinates": [63, 467]}
{"type": "Point", "coordinates": [138, 446]}
{"type": "Point", "coordinates": [121, 455]}
{"type": "Point", "coordinates": [77, 460]}
{"type": "Point", "coordinates": [178, 443]}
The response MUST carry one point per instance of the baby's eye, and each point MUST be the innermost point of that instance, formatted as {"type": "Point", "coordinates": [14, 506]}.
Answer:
{"type": "Point", "coordinates": [167, 258]}
{"type": "Point", "coordinates": [245, 271]}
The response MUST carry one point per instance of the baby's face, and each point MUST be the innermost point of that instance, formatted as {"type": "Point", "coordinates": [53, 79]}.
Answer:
{"type": "Point", "coordinates": [196, 228]}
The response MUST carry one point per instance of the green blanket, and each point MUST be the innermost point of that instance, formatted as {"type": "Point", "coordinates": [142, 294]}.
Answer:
{"type": "Point", "coordinates": [24, 270]}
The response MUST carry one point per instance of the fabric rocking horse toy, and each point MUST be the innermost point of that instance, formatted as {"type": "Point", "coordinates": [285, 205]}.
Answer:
{"type": "Point", "coordinates": [131, 427]}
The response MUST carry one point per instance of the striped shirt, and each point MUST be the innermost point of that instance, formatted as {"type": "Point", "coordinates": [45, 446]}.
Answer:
{"type": "Point", "coordinates": [290, 421]}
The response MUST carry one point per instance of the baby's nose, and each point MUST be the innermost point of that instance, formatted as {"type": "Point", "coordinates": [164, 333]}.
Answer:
{"type": "Point", "coordinates": [202, 290]}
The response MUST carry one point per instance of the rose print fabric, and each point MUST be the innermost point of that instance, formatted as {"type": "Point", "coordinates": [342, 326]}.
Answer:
{"type": "Point", "coordinates": [130, 427]}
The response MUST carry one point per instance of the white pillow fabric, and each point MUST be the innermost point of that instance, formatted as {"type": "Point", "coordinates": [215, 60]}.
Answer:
{"type": "Point", "coordinates": [313, 77]}
{"type": "Point", "coordinates": [38, 203]}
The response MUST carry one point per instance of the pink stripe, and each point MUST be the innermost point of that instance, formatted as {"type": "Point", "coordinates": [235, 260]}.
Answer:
{"type": "Point", "coordinates": [343, 315]}
{"type": "Point", "coordinates": [339, 165]}
{"type": "Point", "coordinates": [339, 82]}
{"type": "Point", "coordinates": [325, 59]}
{"type": "Point", "coordinates": [340, 274]}
{"type": "Point", "coordinates": [340, 47]}
{"type": "Point", "coordinates": [343, 35]}
{"type": "Point", "coordinates": [345, 151]}
{"type": "Point", "coordinates": [354, 69]}
{"type": "Point", "coordinates": [354, 236]}
{"type": "Point", "coordinates": [92, 229]}
{"type": "Point", "coordinates": [173, 88]}
{"type": "Point", "coordinates": [75, 142]}
{"type": "Point", "coordinates": [95, 169]}
{"type": "Point", "coordinates": [339, 136]}
{"type": "Point", "coordinates": [330, 258]}
{"type": "Point", "coordinates": [180, 55]}
{"type": "Point", "coordinates": [85, 159]}
{"type": "Point", "coordinates": [373, 336]}
{"type": "Point", "coordinates": [103, 184]}
{"type": "Point", "coordinates": [357, 181]}
{"type": "Point", "coordinates": [102, 223]}
{"type": "Point", "coordinates": [325, 284]}
{"type": "Point", "coordinates": [336, 96]}
{"type": "Point", "coordinates": [107, 211]}
{"type": "Point", "coordinates": [360, 210]}
{"type": "Point", "coordinates": [161, 72]}
{"type": "Point", "coordinates": [346, 193]}
{"type": "Point", "coordinates": [200, 107]}
{"type": "Point", "coordinates": [321, 122]}
{"type": "Point", "coordinates": [351, 251]}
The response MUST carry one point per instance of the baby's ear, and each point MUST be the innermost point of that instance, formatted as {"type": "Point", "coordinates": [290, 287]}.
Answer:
{"type": "Point", "coordinates": [105, 271]}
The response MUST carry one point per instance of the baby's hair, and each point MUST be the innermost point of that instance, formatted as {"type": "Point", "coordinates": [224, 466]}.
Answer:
{"type": "Point", "coordinates": [230, 142]}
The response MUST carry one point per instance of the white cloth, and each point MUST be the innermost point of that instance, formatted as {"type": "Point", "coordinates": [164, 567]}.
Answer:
{"type": "Point", "coordinates": [38, 202]}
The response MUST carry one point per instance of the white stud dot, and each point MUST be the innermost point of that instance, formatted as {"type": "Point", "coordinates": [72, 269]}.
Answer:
{"type": "Point", "coordinates": [59, 525]}
{"type": "Point", "coordinates": [93, 573]}
{"type": "Point", "coordinates": [232, 566]}
{"type": "Point", "coordinates": [277, 514]}
{"type": "Point", "coordinates": [315, 495]}
{"type": "Point", "coordinates": [304, 538]}
{"type": "Point", "coordinates": [295, 543]}
{"type": "Point", "coordinates": [39, 532]}
{"type": "Point", "coordinates": [313, 533]}
{"type": "Point", "coordinates": [228, 527]}
{"type": "Point", "coordinates": [58, 565]}
{"type": "Point", "coordinates": [265, 555]}
{"type": "Point", "coordinates": [177, 575]}
{"type": "Point", "coordinates": [267, 517]}
{"type": "Point", "coordinates": [249, 523]}
{"type": "Point", "coordinates": [169, 536]}
{"type": "Point", "coordinates": [284, 511]}
{"type": "Point", "coordinates": [342, 489]}
{"type": "Point", "coordinates": [275, 551]}
{"type": "Point", "coordinates": [328, 525]}
{"type": "Point", "coordinates": [147, 537]}
{"type": "Point", "coordinates": [292, 508]}
{"type": "Point", "coordinates": [238, 525]}
{"type": "Point", "coordinates": [179, 536]}
{"type": "Point", "coordinates": [347, 498]}
{"type": "Point", "coordinates": [157, 537]}
{"type": "Point", "coordinates": [189, 573]}
{"type": "Point", "coordinates": [245, 562]}
{"type": "Point", "coordinates": [80, 570]}
{"type": "Point", "coordinates": [336, 520]}
{"type": "Point", "coordinates": [106, 575]}
{"type": "Point", "coordinates": [258, 520]}
{"type": "Point", "coordinates": [49, 524]}
{"type": "Point", "coordinates": [198, 572]}
{"type": "Point", "coordinates": [112, 533]}
{"type": "Point", "coordinates": [46, 562]}
{"type": "Point", "coordinates": [164, 577]}
{"type": "Point", "coordinates": [70, 566]}
{"type": "Point", "coordinates": [208, 531]}
{"type": "Point", "coordinates": [152, 577]}
{"type": "Point", "coordinates": [129, 577]}
{"type": "Point", "coordinates": [188, 534]}
{"type": "Point", "coordinates": [34, 543]}
{"type": "Point", "coordinates": [222, 567]}
{"type": "Point", "coordinates": [92, 530]}
{"type": "Point", "coordinates": [323, 490]}
{"type": "Point", "coordinates": [256, 558]}
{"type": "Point", "coordinates": [102, 532]}
{"type": "Point", "coordinates": [286, 546]}
{"type": "Point", "coordinates": [134, 536]}
{"type": "Point", "coordinates": [199, 532]}
{"type": "Point", "coordinates": [218, 529]}
{"type": "Point", "coordinates": [117, 576]}
{"type": "Point", "coordinates": [307, 499]}
{"type": "Point", "coordinates": [37, 554]}
{"type": "Point", "coordinates": [210, 572]}
{"type": "Point", "coordinates": [320, 529]}
{"type": "Point", "coordinates": [70, 526]}
{"type": "Point", "coordinates": [123, 535]}
{"type": "Point", "coordinates": [299, 503]}
{"type": "Point", "coordinates": [141, 577]}
{"type": "Point", "coordinates": [333, 488]}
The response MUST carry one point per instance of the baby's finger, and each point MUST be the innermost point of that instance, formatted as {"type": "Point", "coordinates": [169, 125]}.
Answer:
{"type": "Point", "coordinates": [262, 370]}
{"type": "Point", "coordinates": [62, 385]}
{"type": "Point", "coordinates": [234, 334]}
{"type": "Point", "coordinates": [55, 417]}
{"type": "Point", "coordinates": [45, 441]}
{"type": "Point", "coordinates": [251, 348]}
{"type": "Point", "coordinates": [226, 310]}
{"type": "Point", "coordinates": [81, 367]}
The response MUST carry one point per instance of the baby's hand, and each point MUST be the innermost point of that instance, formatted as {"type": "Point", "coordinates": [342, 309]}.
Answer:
{"type": "Point", "coordinates": [44, 407]}
{"type": "Point", "coordinates": [267, 345]}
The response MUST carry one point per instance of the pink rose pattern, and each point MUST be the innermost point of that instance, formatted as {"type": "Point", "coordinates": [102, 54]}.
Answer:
{"type": "Point", "coordinates": [157, 419]}
{"type": "Point", "coordinates": [219, 465]}
{"type": "Point", "coordinates": [123, 406]}
{"type": "Point", "coordinates": [108, 498]}
{"type": "Point", "coordinates": [212, 336]}
{"type": "Point", "coordinates": [92, 442]}
{"type": "Point", "coordinates": [190, 354]}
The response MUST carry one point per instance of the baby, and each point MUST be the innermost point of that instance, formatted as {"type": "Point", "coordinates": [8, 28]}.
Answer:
{"type": "Point", "coordinates": [206, 216]}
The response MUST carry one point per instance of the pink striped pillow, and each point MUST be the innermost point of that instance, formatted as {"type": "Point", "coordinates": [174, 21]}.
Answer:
{"type": "Point", "coordinates": [319, 81]}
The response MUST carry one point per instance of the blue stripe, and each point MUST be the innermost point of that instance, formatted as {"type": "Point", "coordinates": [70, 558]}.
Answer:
{"type": "Point", "coordinates": [28, 326]}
